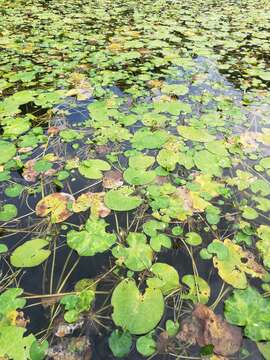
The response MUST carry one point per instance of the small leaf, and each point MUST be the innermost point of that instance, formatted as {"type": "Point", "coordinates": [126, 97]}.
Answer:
{"type": "Point", "coordinates": [120, 343]}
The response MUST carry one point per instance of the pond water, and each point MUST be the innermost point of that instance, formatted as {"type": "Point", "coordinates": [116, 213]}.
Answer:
{"type": "Point", "coordinates": [134, 172]}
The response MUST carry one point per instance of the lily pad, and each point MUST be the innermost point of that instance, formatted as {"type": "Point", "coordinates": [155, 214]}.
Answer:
{"type": "Point", "coordinates": [92, 169]}
{"type": "Point", "coordinates": [166, 278]}
{"type": "Point", "coordinates": [56, 206]}
{"type": "Point", "coordinates": [138, 255]}
{"type": "Point", "coordinates": [7, 151]}
{"type": "Point", "coordinates": [136, 312]}
{"type": "Point", "coordinates": [8, 212]}
{"type": "Point", "coordinates": [30, 254]}
{"type": "Point", "coordinates": [122, 199]}
{"type": "Point", "coordinates": [92, 240]}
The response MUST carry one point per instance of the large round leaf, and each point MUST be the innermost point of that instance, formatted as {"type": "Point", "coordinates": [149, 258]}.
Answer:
{"type": "Point", "coordinates": [138, 313]}
{"type": "Point", "coordinates": [31, 253]}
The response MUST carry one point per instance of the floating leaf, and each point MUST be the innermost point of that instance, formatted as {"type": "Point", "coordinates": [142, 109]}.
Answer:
{"type": "Point", "coordinates": [7, 151]}
{"type": "Point", "coordinates": [194, 134]}
{"type": "Point", "coordinates": [193, 239]}
{"type": "Point", "coordinates": [112, 179]}
{"type": "Point", "coordinates": [166, 278]}
{"type": "Point", "coordinates": [205, 327]}
{"type": "Point", "coordinates": [56, 206]}
{"type": "Point", "coordinates": [92, 169]}
{"type": "Point", "coordinates": [138, 255]}
{"type": "Point", "coordinates": [19, 347]}
{"type": "Point", "coordinates": [31, 253]}
{"type": "Point", "coordinates": [8, 212]}
{"type": "Point", "coordinates": [94, 239]}
{"type": "Point", "coordinates": [199, 290]}
{"type": "Point", "coordinates": [263, 245]}
{"type": "Point", "coordinates": [135, 312]}
{"type": "Point", "coordinates": [144, 138]}
{"type": "Point", "coordinates": [122, 199]}
{"type": "Point", "coordinates": [120, 343]}
{"type": "Point", "coordinates": [234, 267]}
{"type": "Point", "coordinates": [250, 309]}
{"type": "Point", "coordinates": [146, 345]}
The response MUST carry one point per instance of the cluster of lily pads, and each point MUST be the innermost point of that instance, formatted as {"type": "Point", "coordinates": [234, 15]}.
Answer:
{"type": "Point", "coordinates": [126, 154]}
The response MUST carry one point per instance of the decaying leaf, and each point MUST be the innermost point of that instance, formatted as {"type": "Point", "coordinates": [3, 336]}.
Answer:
{"type": "Point", "coordinates": [236, 264]}
{"type": "Point", "coordinates": [92, 200]}
{"type": "Point", "coordinates": [112, 179]}
{"type": "Point", "coordinates": [205, 327]}
{"type": "Point", "coordinates": [56, 206]}
{"type": "Point", "coordinates": [30, 173]}
{"type": "Point", "coordinates": [77, 348]}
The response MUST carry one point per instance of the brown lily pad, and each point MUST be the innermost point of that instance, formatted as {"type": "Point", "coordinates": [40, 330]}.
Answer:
{"type": "Point", "coordinates": [205, 328]}
{"type": "Point", "coordinates": [112, 179]}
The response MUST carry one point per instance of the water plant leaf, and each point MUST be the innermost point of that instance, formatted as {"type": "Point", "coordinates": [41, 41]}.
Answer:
{"type": "Point", "coordinates": [92, 200]}
{"type": "Point", "coordinates": [234, 267]}
{"type": "Point", "coordinates": [56, 206]}
{"type": "Point", "coordinates": [77, 304]}
{"type": "Point", "coordinates": [146, 345]}
{"type": "Point", "coordinates": [120, 343]}
{"type": "Point", "coordinates": [248, 308]}
{"type": "Point", "coordinates": [194, 134]}
{"type": "Point", "coordinates": [159, 241]}
{"type": "Point", "coordinates": [137, 256]}
{"type": "Point", "coordinates": [92, 240]}
{"type": "Point", "coordinates": [31, 253]}
{"type": "Point", "coordinates": [122, 199]}
{"type": "Point", "coordinates": [172, 327]}
{"type": "Point", "coordinates": [165, 278]}
{"type": "Point", "coordinates": [205, 328]}
{"type": "Point", "coordinates": [19, 348]}
{"type": "Point", "coordinates": [14, 190]}
{"type": "Point", "coordinates": [7, 151]}
{"type": "Point", "coordinates": [199, 290]}
{"type": "Point", "coordinates": [9, 302]}
{"type": "Point", "coordinates": [8, 212]}
{"type": "Point", "coordinates": [135, 176]}
{"type": "Point", "coordinates": [92, 168]}
{"type": "Point", "coordinates": [144, 138]}
{"type": "Point", "coordinates": [263, 245]}
{"type": "Point", "coordinates": [112, 179]}
{"type": "Point", "coordinates": [193, 239]}
{"type": "Point", "coordinates": [135, 312]}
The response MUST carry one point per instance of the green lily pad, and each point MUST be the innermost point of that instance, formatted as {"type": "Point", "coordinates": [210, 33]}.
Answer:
{"type": "Point", "coordinates": [14, 190]}
{"type": "Point", "coordinates": [194, 134]}
{"type": "Point", "coordinates": [199, 290]}
{"type": "Point", "coordinates": [144, 138]}
{"type": "Point", "coordinates": [92, 240]}
{"type": "Point", "coordinates": [135, 176]}
{"type": "Point", "coordinates": [122, 199]}
{"type": "Point", "coordinates": [8, 212]}
{"type": "Point", "coordinates": [92, 169]}
{"type": "Point", "coordinates": [120, 343]}
{"type": "Point", "coordinates": [7, 151]}
{"type": "Point", "coordinates": [138, 255]}
{"type": "Point", "coordinates": [135, 312]}
{"type": "Point", "coordinates": [166, 278]}
{"type": "Point", "coordinates": [248, 308]}
{"type": "Point", "coordinates": [193, 239]}
{"type": "Point", "coordinates": [146, 345]}
{"type": "Point", "coordinates": [31, 253]}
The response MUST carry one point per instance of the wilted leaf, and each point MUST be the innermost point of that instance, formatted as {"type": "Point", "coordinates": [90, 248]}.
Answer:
{"type": "Point", "coordinates": [56, 206]}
